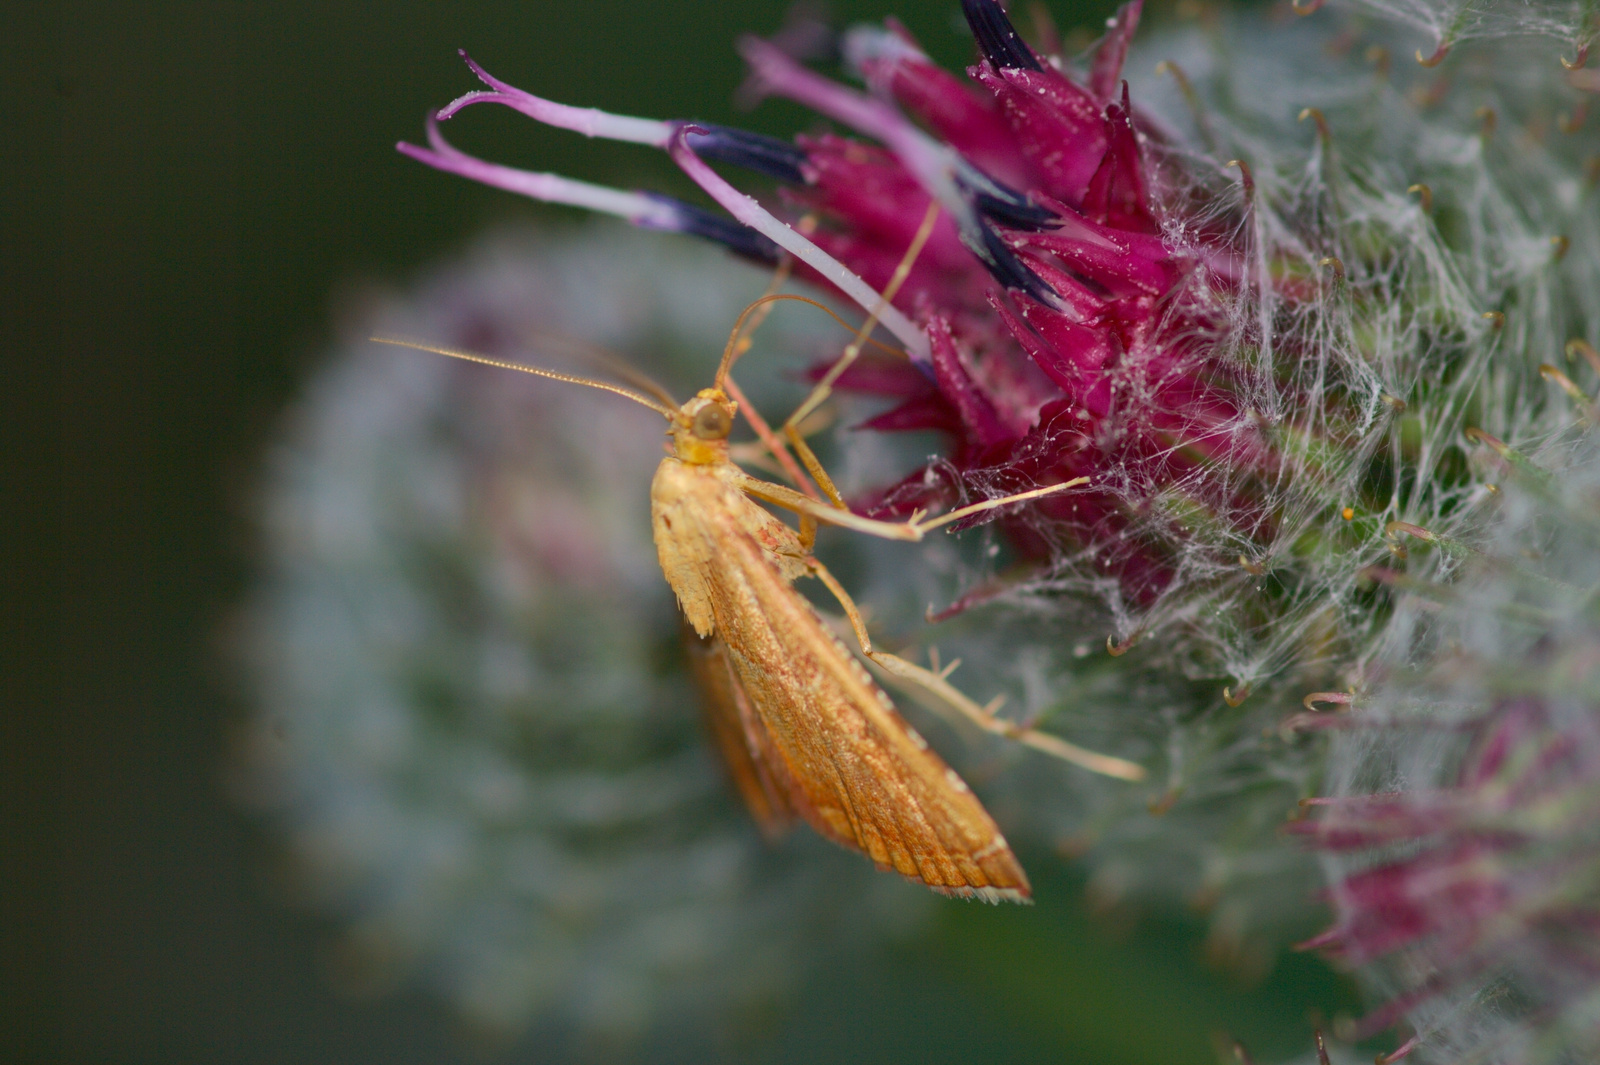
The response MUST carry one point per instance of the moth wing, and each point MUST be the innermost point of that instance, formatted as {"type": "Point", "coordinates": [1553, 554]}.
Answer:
{"type": "Point", "coordinates": [864, 778]}
{"type": "Point", "coordinates": [681, 545]}
{"type": "Point", "coordinates": [825, 733]}
{"type": "Point", "coordinates": [761, 779]}
{"type": "Point", "coordinates": [693, 509]}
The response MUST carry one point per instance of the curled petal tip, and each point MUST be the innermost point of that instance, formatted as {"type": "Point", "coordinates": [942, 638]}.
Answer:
{"type": "Point", "coordinates": [1579, 346]}
{"type": "Point", "coordinates": [1562, 381]}
{"type": "Point", "coordinates": [1322, 122]}
{"type": "Point", "coordinates": [1436, 58]}
{"type": "Point", "coordinates": [1246, 178]}
{"type": "Point", "coordinates": [1402, 1051]}
{"type": "Point", "coordinates": [477, 68]}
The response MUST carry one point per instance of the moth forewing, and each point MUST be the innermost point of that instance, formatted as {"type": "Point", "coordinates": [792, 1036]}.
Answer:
{"type": "Point", "coordinates": [738, 735]}
{"type": "Point", "coordinates": [891, 796]}
{"type": "Point", "coordinates": [694, 508]}
{"type": "Point", "coordinates": [858, 773]}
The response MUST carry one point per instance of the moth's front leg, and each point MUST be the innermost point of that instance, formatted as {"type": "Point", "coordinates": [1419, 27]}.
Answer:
{"type": "Point", "coordinates": [912, 529]}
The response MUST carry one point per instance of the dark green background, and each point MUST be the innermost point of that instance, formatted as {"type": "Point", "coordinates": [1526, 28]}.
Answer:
{"type": "Point", "coordinates": [187, 186]}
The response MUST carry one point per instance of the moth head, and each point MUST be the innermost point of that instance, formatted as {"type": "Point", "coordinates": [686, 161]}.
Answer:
{"type": "Point", "coordinates": [700, 432]}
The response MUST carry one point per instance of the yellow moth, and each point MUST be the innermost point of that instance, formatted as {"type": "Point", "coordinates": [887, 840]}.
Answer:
{"type": "Point", "coordinates": [802, 726]}
{"type": "Point", "coordinates": [805, 729]}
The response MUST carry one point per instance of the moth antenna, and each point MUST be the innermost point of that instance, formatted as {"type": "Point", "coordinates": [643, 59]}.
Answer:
{"type": "Point", "coordinates": [573, 379]}
{"type": "Point", "coordinates": [780, 274]}
{"type": "Point", "coordinates": [611, 361]}
{"type": "Point", "coordinates": [731, 352]}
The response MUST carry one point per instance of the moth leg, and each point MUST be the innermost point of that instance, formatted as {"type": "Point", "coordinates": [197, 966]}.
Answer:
{"type": "Point", "coordinates": [764, 432]}
{"type": "Point", "coordinates": [992, 504]}
{"type": "Point", "coordinates": [912, 529]}
{"type": "Point", "coordinates": [944, 695]}
{"type": "Point", "coordinates": [824, 388]}
{"type": "Point", "coordinates": [808, 533]}
{"type": "Point", "coordinates": [768, 438]}
{"type": "Point", "coordinates": [818, 511]}
{"type": "Point", "coordinates": [808, 458]}
{"type": "Point", "coordinates": [850, 610]}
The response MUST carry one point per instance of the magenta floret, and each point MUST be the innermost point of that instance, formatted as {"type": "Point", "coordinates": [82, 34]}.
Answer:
{"type": "Point", "coordinates": [1054, 329]}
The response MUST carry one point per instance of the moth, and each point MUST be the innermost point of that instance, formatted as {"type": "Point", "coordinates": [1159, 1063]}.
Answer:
{"type": "Point", "coordinates": [806, 731]}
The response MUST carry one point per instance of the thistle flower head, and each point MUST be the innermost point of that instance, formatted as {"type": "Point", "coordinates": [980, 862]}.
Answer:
{"type": "Point", "coordinates": [1256, 294]}
{"type": "Point", "coordinates": [1171, 305]}
{"type": "Point", "coordinates": [1061, 329]}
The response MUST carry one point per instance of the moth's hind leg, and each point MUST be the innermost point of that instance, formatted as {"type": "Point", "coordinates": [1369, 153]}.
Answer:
{"type": "Point", "coordinates": [946, 697]}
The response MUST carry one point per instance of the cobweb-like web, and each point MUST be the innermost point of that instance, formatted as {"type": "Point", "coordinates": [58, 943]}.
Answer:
{"type": "Point", "coordinates": [1449, 21]}
{"type": "Point", "coordinates": [1402, 260]}
{"type": "Point", "coordinates": [1357, 383]}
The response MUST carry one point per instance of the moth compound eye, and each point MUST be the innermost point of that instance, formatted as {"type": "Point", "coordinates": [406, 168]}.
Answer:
{"type": "Point", "coordinates": [713, 423]}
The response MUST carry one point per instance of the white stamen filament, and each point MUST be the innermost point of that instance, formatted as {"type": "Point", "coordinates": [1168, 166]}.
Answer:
{"type": "Point", "coordinates": [752, 214]}
{"type": "Point", "coordinates": [636, 207]}
{"type": "Point", "coordinates": [589, 121]}
{"type": "Point", "coordinates": [642, 210]}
